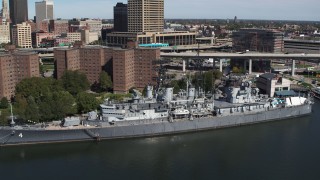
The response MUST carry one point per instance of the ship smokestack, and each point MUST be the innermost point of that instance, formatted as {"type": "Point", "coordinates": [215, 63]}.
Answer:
{"type": "Point", "coordinates": [169, 95]}
{"type": "Point", "coordinates": [149, 92]}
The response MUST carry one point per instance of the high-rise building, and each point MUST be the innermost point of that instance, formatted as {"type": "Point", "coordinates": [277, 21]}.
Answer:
{"type": "Point", "coordinates": [5, 10]}
{"type": "Point", "coordinates": [21, 35]}
{"type": "Point", "coordinates": [18, 11]}
{"type": "Point", "coordinates": [15, 67]}
{"type": "Point", "coordinates": [120, 17]}
{"type": "Point", "coordinates": [4, 32]}
{"type": "Point", "coordinates": [44, 10]}
{"type": "Point", "coordinates": [145, 15]}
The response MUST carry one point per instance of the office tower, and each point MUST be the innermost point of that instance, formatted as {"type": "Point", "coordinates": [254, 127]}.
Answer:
{"type": "Point", "coordinates": [4, 32]}
{"type": "Point", "coordinates": [18, 11]}
{"type": "Point", "coordinates": [120, 17]}
{"type": "Point", "coordinates": [145, 15]}
{"type": "Point", "coordinates": [5, 10]}
{"type": "Point", "coordinates": [44, 10]}
{"type": "Point", "coordinates": [15, 67]}
{"type": "Point", "coordinates": [21, 35]}
{"type": "Point", "coordinates": [259, 40]}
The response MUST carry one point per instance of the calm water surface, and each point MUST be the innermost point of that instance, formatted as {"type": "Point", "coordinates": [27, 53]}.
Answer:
{"type": "Point", "coordinates": [288, 149]}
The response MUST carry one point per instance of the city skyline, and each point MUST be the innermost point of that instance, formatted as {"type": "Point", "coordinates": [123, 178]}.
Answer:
{"type": "Point", "coordinates": [201, 9]}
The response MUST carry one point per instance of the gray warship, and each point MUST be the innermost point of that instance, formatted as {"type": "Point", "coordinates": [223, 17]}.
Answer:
{"type": "Point", "coordinates": [161, 112]}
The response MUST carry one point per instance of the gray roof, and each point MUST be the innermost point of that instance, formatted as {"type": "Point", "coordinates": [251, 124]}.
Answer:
{"type": "Point", "coordinates": [268, 76]}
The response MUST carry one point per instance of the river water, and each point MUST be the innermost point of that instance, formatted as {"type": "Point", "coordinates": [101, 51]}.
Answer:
{"type": "Point", "coordinates": [288, 149]}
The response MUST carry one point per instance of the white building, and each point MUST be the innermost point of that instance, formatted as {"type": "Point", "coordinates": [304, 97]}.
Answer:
{"type": "Point", "coordinates": [21, 35]}
{"type": "Point", "coordinates": [4, 33]}
{"type": "Point", "coordinates": [72, 36]}
{"type": "Point", "coordinates": [93, 25]}
{"type": "Point", "coordinates": [271, 83]}
{"type": "Point", "coordinates": [88, 37]}
{"type": "Point", "coordinates": [44, 10]}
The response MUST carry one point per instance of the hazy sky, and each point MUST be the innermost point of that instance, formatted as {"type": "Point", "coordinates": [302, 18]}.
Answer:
{"type": "Point", "coordinates": [209, 9]}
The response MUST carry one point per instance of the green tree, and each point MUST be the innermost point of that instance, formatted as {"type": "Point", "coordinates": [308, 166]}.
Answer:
{"type": "Point", "coordinates": [75, 82]}
{"type": "Point", "coordinates": [175, 85]}
{"type": "Point", "coordinates": [105, 81]}
{"type": "Point", "coordinates": [20, 105]}
{"type": "Point", "coordinates": [86, 102]}
{"type": "Point", "coordinates": [216, 74]}
{"type": "Point", "coordinates": [37, 87]}
{"type": "Point", "coordinates": [4, 103]}
{"type": "Point", "coordinates": [208, 81]}
{"type": "Point", "coordinates": [32, 110]}
{"type": "Point", "coordinates": [64, 104]}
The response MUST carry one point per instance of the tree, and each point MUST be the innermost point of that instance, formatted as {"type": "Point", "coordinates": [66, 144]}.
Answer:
{"type": "Point", "coordinates": [37, 87]}
{"type": "Point", "coordinates": [175, 85]}
{"type": "Point", "coordinates": [4, 103]}
{"type": "Point", "coordinates": [75, 82]}
{"type": "Point", "coordinates": [64, 104]}
{"type": "Point", "coordinates": [86, 102]}
{"type": "Point", "coordinates": [32, 110]}
{"type": "Point", "coordinates": [216, 74]}
{"type": "Point", "coordinates": [208, 81]}
{"type": "Point", "coordinates": [105, 81]}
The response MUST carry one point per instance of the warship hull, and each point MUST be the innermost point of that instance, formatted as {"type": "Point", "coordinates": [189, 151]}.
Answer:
{"type": "Point", "coordinates": [147, 128]}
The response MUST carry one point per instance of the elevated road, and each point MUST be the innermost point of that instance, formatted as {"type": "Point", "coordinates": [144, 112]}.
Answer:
{"type": "Point", "coordinates": [249, 56]}
{"type": "Point", "coordinates": [243, 55]}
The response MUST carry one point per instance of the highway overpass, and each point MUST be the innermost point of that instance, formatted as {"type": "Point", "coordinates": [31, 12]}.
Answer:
{"type": "Point", "coordinates": [242, 55]}
{"type": "Point", "coordinates": [250, 56]}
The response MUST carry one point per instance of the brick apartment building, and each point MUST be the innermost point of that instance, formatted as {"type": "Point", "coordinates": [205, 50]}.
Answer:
{"type": "Point", "coordinates": [15, 67]}
{"type": "Point", "coordinates": [58, 27]}
{"type": "Point", "coordinates": [134, 68]}
{"type": "Point", "coordinates": [66, 59]}
{"type": "Point", "coordinates": [89, 60]}
{"type": "Point", "coordinates": [130, 67]}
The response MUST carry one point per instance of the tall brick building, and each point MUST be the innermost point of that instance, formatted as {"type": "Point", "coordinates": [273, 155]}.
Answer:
{"type": "Point", "coordinates": [89, 60]}
{"type": "Point", "coordinates": [15, 67]}
{"type": "Point", "coordinates": [92, 61]}
{"type": "Point", "coordinates": [66, 59]}
{"type": "Point", "coordinates": [128, 67]}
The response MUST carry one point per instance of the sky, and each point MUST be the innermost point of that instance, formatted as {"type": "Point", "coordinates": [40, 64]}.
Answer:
{"type": "Point", "coordinates": [197, 9]}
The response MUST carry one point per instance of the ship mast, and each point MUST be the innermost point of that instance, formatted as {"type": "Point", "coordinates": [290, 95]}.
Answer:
{"type": "Point", "coordinates": [199, 69]}
{"type": "Point", "coordinates": [12, 123]}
